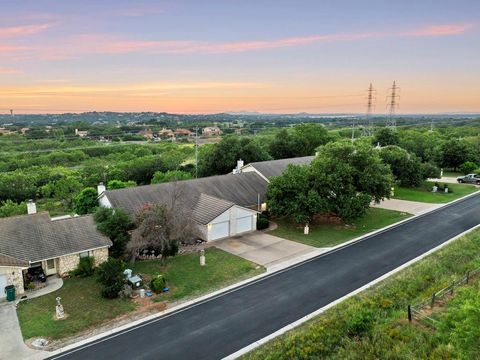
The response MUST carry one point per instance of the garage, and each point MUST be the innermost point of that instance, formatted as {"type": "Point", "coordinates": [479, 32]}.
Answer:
{"type": "Point", "coordinates": [3, 283]}
{"type": "Point", "coordinates": [245, 224]}
{"type": "Point", "coordinates": [219, 230]}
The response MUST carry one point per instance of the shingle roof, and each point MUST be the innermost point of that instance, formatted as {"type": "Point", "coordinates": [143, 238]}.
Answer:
{"type": "Point", "coordinates": [36, 237]}
{"type": "Point", "coordinates": [11, 261]}
{"type": "Point", "coordinates": [271, 168]}
{"type": "Point", "coordinates": [239, 189]}
{"type": "Point", "coordinates": [209, 207]}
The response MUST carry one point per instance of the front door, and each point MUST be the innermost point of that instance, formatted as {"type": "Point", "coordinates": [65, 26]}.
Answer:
{"type": "Point", "coordinates": [51, 269]}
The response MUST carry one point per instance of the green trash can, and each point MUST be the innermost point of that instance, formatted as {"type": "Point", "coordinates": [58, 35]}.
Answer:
{"type": "Point", "coordinates": [10, 291]}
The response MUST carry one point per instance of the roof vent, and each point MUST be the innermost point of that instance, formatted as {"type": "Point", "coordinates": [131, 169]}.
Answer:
{"type": "Point", "coordinates": [31, 207]}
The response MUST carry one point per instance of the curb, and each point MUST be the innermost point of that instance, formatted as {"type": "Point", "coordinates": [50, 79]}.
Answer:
{"type": "Point", "coordinates": [278, 269]}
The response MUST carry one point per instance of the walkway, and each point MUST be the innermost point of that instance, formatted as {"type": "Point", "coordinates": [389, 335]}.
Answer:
{"type": "Point", "coordinates": [264, 249]}
{"type": "Point", "coordinates": [53, 283]}
{"type": "Point", "coordinates": [411, 207]}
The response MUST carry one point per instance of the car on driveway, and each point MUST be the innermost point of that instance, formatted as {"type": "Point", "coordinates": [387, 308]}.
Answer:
{"type": "Point", "coordinates": [469, 179]}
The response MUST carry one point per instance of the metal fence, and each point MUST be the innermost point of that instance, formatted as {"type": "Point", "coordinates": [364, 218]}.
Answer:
{"type": "Point", "coordinates": [421, 310]}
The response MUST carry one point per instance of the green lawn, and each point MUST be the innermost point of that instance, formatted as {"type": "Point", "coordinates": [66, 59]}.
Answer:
{"type": "Point", "coordinates": [373, 324]}
{"type": "Point", "coordinates": [186, 278]}
{"type": "Point", "coordinates": [424, 193]}
{"type": "Point", "coordinates": [331, 235]}
{"type": "Point", "coordinates": [82, 302]}
{"type": "Point", "coordinates": [87, 309]}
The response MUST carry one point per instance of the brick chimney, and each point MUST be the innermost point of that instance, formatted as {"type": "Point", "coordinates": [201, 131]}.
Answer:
{"type": "Point", "coordinates": [31, 207]}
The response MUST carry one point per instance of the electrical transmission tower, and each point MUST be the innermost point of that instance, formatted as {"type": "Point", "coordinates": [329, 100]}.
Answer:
{"type": "Point", "coordinates": [392, 105]}
{"type": "Point", "coordinates": [368, 124]}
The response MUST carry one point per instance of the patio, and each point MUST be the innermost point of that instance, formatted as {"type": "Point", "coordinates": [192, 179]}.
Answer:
{"type": "Point", "coordinates": [52, 284]}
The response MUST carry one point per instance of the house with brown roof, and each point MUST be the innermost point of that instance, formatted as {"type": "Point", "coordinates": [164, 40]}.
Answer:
{"type": "Point", "coordinates": [211, 130]}
{"type": "Point", "coordinates": [35, 241]}
{"type": "Point", "coordinates": [182, 132]}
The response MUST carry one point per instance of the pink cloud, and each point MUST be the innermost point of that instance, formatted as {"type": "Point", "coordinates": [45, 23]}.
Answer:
{"type": "Point", "coordinates": [7, 70]}
{"type": "Point", "coordinates": [15, 31]}
{"type": "Point", "coordinates": [440, 30]}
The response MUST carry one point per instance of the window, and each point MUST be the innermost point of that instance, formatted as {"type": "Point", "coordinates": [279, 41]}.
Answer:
{"type": "Point", "coordinates": [84, 254]}
{"type": "Point", "coordinates": [51, 264]}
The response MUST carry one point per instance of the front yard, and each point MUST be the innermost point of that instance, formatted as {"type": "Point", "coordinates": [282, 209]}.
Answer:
{"type": "Point", "coordinates": [327, 235]}
{"type": "Point", "coordinates": [424, 193]}
{"type": "Point", "coordinates": [86, 309]}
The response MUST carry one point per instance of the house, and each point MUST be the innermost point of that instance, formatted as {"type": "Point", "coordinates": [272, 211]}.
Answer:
{"type": "Point", "coordinates": [182, 132]}
{"type": "Point", "coordinates": [211, 130]}
{"type": "Point", "coordinates": [166, 133]}
{"type": "Point", "coordinates": [81, 134]}
{"type": "Point", "coordinates": [147, 134]}
{"type": "Point", "coordinates": [271, 168]}
{"type": "Point", "coordinates": [36, 240]}
{"type": "Point", "coordinates": [222, 206]}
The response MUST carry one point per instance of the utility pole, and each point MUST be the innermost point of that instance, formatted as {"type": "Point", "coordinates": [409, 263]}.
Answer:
{"type": "Point", "coordinates": [353, 129]}
{"type": "Point", "coordinates": [368, 124]}
{"type": "Point", "coordinates": [392, 105]}
{"type": "Point", "coordinates": [196, 151]}
{"type": "Point", "coordinates": [11, 112]}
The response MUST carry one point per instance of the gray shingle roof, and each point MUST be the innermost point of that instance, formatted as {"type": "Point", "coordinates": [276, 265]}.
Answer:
{"type": "Point", "coordinates": [271, 168]}
{"type": "Point", "coordinates": [209, 207]}
{"type": "Point", "coordinates": [239, 189]}
{"type": "Point", "coordinates": [36, 237]}
{"type": "Point", "coordinates": [11, 261]}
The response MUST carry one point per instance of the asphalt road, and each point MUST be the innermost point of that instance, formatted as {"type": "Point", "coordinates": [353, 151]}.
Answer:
{"type": "Point", "coordinates": [227, 323]}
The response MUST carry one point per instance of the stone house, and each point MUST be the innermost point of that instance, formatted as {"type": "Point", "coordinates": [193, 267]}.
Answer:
{"type": "Point", "coordinates": [36, 240]}
{"type": "Point", "coordinates": [211, 130]}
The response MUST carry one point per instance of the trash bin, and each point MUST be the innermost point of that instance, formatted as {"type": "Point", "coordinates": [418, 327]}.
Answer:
{"type": "Point", "coordinates": [10, 291]}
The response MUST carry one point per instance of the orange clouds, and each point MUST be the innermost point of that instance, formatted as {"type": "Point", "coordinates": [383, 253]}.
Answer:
{"type": "Point", "coordinates": [15, 31]}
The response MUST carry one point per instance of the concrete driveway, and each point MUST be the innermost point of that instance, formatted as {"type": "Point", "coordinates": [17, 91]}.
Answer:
{"type": "Point", "coordinates": [11, 342]}
{"type": "Point", "coordinates": [411, 207]}
{"type": "Point", "coordinates": [264, 249]}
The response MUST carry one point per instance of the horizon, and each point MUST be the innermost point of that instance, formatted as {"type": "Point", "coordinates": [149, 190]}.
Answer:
{"type": "Point", "coordinates": [270, 57]}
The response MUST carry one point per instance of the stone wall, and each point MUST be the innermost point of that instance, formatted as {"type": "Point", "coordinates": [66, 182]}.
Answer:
{"type": "Point", "coordinates": [14, 277]}
{"type": "Point", "coordinates": [67, 263]}
{"type": "Point", "coordinates": [100, 256]}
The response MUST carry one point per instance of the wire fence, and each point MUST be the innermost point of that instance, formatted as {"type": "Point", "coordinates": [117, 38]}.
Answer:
{"type": "Point", "coordinates": [422, 311]}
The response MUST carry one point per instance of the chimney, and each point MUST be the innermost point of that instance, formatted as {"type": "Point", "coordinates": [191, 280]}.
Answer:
{"type": "Point", "coordinates": [31, 207]}
{"type": "Point", "coordinates": [76, 131]}
{"type": "Point", "coordinates": [101, 188]}
{"type": "Point", "coordinates": [239, 165]}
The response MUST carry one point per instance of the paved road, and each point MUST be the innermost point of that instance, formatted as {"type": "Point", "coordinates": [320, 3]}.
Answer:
{"type": "Point", "coordinates": [225, 324]}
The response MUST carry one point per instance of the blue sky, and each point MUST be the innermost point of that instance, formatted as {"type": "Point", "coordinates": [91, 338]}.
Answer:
{"type": "Point", "coordinates": [231, 55]}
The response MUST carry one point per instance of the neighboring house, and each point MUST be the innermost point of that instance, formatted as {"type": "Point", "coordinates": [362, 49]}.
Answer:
{"type": "Point", "coordinates": [183, 132]}
{"type": "Point", "coordinates": [36, 240]}
{"type": "Point", "coordinates": [166, 133]}
{"type": "Point", "coordinates": [270, 168]}
{"type": "Point", "coordinates": [147, 134]}
{"type": "Point", "coordinates": [211, 130]}
{"type": "Point", "coordinates": [82, 134]}
{"type": "Point", "coordinates": [5, 131]}
{"type": "Point", "coordinates": [222, 206]}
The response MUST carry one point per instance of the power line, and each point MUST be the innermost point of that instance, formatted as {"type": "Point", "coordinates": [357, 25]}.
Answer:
{"type": "Point", "coordinates": [368, 123]}
{"type": "Point", "coordinates": [392, 105]}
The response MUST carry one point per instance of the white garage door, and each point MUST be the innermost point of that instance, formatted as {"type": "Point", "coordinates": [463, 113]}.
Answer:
{"type": "Point", "coordinates": [219, 230]}
{"type": "Point", "coordinates": [244, 224]}
{"type": "Point", "coordinates": [3, 283]}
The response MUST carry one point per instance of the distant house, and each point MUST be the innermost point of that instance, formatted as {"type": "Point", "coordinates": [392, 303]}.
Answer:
{"type": "Point", "coordinates": [24, 130]}
{"type": "Point", "coordinates": [147, 134]}
{"type": "Point", "coordinates": [35, 240]}
{"type": "Point", "coordinates": [82, 134]}
{"type": "Point", "coordinates": [182, 132]}
{"type": "Point", "coordinates": [211, 130]}
{"type": "Point", "coordinates": [166, 133]}
{"type": "Point", "coordinates": [5, 131]}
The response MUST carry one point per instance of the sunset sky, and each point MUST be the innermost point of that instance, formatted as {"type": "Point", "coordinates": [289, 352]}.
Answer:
{"type": "Point", "coordinates": [232, 55]}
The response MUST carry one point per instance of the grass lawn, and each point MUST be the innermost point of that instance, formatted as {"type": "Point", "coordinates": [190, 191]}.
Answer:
{"type": "Point", "coordinates": [83, 304]}
{"type": "Point", "coordinates": [331, 235]}
{"type": "Point", "coordinates": [374, 325]}
{"type": "Point", "coordinates": [424, 193]}
{"type": "Point", "coordinates": [186, 278]}
{"type": "Point", "coordinates": [452, 173]}
{"type": "Point", "coordinates": [86, 308]}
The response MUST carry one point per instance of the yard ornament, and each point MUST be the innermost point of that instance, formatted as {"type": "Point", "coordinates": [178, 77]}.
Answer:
{"type": "Point", "coordinates": [59, 312]}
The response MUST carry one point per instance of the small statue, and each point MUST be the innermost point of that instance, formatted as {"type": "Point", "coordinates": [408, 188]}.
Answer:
{"type": "Point", "coordinates": [202, 257]}
{"type": "Point", "coordinates": [59, 312]}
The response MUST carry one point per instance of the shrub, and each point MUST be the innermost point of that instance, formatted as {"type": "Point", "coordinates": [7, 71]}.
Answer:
{"type": "Point", "coordinates": [157, 283]}
{"type": "Point", "coordinates": [468, 167]}
{"type": "Point", "coordinates": [430, 171]}
{"type": "Point", "coordinates": [110, 275]}
{"type": "Point", "coordinates": [262, 222]}
{"type": "Point", "coordinates": [85, 267]}
{"type": "Point", "coordinates": [86, 201]}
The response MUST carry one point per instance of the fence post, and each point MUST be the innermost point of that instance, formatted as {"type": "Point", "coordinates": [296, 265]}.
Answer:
{"type": "Point", "coordinates": [409, 309]}
{"type": "Point", "coordinates": [453, 285]}
{"type": "Point", "coordinates": [468, 276]}
{"type": "Point", "coordinates": [432, 304]}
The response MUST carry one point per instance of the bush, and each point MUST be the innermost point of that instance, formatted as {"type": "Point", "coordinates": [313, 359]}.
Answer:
{"type": "Point", "coordinates": [430, 171]}
{"type": "Point", "coordinates": [262, 222]}
{"type": "Point", "coordinates": [468, 167]}
{"type": "Point", "coordinates": [157, 283]}
{"type": "Point", "coordinates": [110, 275]}
{"type": "Point", "coordinates": [85, 267]}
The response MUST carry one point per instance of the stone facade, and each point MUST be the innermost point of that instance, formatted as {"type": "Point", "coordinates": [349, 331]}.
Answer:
{"type": "Point", "coordinates": [100, 256]}
{"type": "Point", "coordinates": [14, 277]}
{"type": "Point", "coordinates": [67, 263]}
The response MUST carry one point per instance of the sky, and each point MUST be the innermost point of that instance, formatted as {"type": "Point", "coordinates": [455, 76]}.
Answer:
{"type": "Point", "coordinates": [238, 55]}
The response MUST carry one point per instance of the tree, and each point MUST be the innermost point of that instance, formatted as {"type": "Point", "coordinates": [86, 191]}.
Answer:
{"type": "Point", "coordinates": [110, 275]}
{"type": "Point", "coordinates": [455, 152]}
{"type": "Point", "coordinates": [119, 184]}
{"type": "Point", "coordinates": [115, 224]}
{"type": "Point", "coordinates": [468, 167]}
{"type": "Point", "coordinates": [291, 194]}
{"type": "Point", "coordinates": [386, 136]}
{"type": "Point", "coordinates": [422, 144]}
{"type": "Point", "coordinates": [86, 201]}
{"type": "Point", "coordinates": [172, 175]}
{"type": "Point", "coordinates": [162, 227]}
{"type": "Point", "coordinates": [10, 208]}
{"type": "Point", "coordinates": [406, 168]}
{"type": "Point", "coordinates": [348, 178]}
